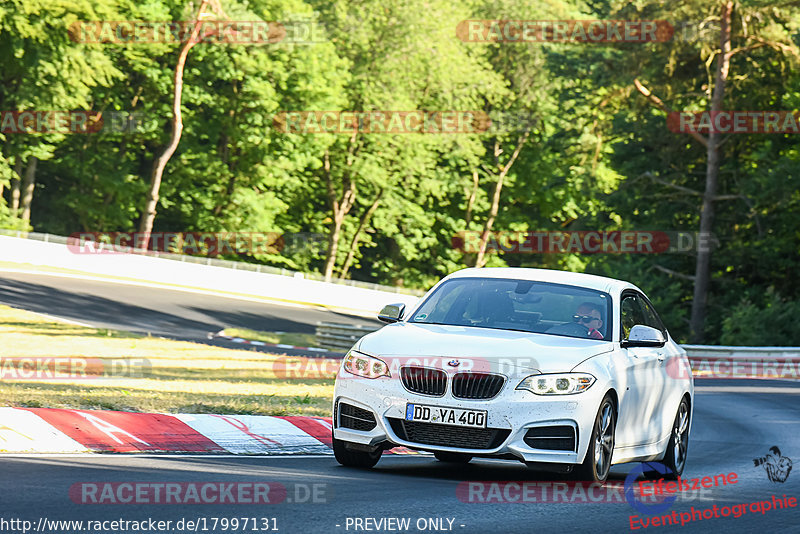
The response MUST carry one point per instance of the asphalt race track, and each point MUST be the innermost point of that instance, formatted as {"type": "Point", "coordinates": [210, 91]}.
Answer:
{"type": "Point", "coordinates": [158, 311]}
{"type": "Point", "coordinates": [734, 422]}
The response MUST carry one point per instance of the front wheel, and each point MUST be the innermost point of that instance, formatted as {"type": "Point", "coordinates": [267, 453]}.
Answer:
{"type": "Point", "coordinates": [597, 464]}
{"type": "Point", "coordinates": [351, 458]}
{"type": "Point", "coordinates": [678, 446]}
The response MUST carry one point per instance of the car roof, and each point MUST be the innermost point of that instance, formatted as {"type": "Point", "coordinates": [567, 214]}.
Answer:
{"type": "Point", "coordinates": [589, 281]}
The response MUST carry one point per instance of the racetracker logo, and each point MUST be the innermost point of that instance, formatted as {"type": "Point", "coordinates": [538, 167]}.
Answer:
{"type": "Point", "coordinates": [297, 368]}
{"type": "Point", "coordinates": [208, 31]}
{"type": "Point", "coordinates": [711, 367]}
{"type": "Point", "coordinates": [69, 122]}
{"type": "Point", "coordinates": [63, 368]}
{"type": "Point", "coordinates": [182, 493]}
{"type": "Point", "coordinates": [560, 492]}
{"type": "Point", "coordinates": [382, 122]}
{"type": "Point", "coordinates": [504, 366]}
{"type": "Point", "coordinates": [733, 122]}
{"type": "Point", "coordinates": [564, 31]}
{"type": "Point", "coordinates": [193, 243]}
{"type": "Point", "coordinates": [584, 242]}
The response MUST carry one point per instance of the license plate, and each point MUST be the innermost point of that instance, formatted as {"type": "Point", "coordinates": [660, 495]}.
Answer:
{"type": "Point", "coordinates": [446, 416]}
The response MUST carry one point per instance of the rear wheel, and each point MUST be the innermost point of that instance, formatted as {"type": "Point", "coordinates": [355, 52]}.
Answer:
{"type": "Point", "coordinates": [678, 447]}
{"type": "Point", "coordinates": [597, 464]}
{"type": "Point", "coordinates": [452, 457]}
{"type": "Point", "coordinates": [353, 458]}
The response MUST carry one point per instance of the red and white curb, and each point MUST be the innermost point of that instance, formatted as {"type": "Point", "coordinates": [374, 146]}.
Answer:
{"type": "Point", "coordinates": [50, 430]}
{"type": "Point", "coordinates": [220, 335]}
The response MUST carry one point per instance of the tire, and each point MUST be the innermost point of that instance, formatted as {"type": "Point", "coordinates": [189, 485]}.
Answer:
{"type": "Point", "coordinates": [678, 446]}
{"type": "Point", "coordinates": [452, 457]}
{"type": "Point", "coordinates": [597, 464]}
{"type": "Point", "coordinates": [350, 458]}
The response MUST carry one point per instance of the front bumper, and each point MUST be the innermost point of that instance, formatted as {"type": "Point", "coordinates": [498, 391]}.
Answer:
{"type": "Point", "coordinates": [512, 412]}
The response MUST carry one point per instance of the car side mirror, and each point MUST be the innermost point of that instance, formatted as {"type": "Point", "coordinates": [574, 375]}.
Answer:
{"type": "Point", "coordinates": [644, 336]}
{"type": "Point", "coordinates": [392, 313]}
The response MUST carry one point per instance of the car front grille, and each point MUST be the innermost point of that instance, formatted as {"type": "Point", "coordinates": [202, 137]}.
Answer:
{"type": "Point", "coordinates": [477, 385]}
{"type": "Point", "coordinates": [424, 381]}
{"type": "Point", "coordinates": [552, 438]}
{"type": "Point", "coordinates": [447, 435]}
{"type": "Point", "coordinates": [355, 418]}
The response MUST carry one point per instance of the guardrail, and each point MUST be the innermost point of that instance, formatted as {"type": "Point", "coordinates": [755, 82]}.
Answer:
{"type": "Point", "coordinates": [711, 361]}
{"type": "Point", "coordinates": [734, 352]}
{"type": "Point", "coordinates": [227, 264]}
{"type": "Point", "coordinates": [708, 361]}
{"type": "Point", "coordinates": [341, 337]}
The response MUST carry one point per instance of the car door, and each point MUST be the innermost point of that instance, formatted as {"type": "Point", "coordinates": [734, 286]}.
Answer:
{"type": "Point", "coordinates": [671, 388]}
{"type": "Point", "coordinates": [643, 393]}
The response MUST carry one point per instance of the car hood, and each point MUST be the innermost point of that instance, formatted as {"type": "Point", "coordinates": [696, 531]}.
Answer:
{"type": "Point", "coordinates": [484, 348]}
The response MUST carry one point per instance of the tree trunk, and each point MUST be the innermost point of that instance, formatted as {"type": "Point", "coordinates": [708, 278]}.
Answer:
{"type": "Point", "coordinates": [340, 207]}
{"type": "Point", "coordinates": [225, 155]}
{"type": "Point", "coordinates": [149, 214]}
{"type": "Point", "coordinates": [703, 264]}
{"type": "Point", "coordinates": [15, 185]}
{"type": "Point", "coordinates": [480, 260]}
{"type": "Point", "coordinates": [28, 184]}
{"type": "Point", "coordinates": [361, 224]}
{"type": "Point", "coordinates": [472, 195]}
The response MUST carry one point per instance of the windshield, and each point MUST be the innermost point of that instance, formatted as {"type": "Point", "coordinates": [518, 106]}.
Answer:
{"type": "Point", "coordinates": [522, 305]}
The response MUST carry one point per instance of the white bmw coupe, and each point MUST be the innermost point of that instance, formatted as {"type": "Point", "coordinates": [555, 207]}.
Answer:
{"type": "Point", "coordinates": [562, 371]}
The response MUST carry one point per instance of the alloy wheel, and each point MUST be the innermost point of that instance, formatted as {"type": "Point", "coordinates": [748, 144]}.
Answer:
{"type": "Point", "coordinates": [680, 437]}
{"type": "Point", "coordinates": [604, 444]}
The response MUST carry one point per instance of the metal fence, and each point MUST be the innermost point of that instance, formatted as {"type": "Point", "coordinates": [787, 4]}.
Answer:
{"type": "Point", "coordinates": [227, 264]}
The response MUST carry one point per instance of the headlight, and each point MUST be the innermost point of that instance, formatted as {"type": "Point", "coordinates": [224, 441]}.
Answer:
{"type": "Point", "coordinates": [363, 365]}
{"type": "Point", "coordinates": [557, 384]}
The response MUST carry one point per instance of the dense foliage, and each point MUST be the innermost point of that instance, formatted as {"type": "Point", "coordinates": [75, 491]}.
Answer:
{"type": "Point", "coordinates": [582, 147]}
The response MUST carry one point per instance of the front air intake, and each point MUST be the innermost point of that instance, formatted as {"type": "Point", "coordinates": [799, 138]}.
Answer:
{"type": "Point", "coordinates": [355, 418]}
{"type": "Point", "coordinates": [552, 438]}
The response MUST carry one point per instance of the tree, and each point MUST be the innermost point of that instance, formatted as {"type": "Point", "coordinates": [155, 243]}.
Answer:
{"type": "Point", "coordinates": [751, 38]}
{"type": "Point", "coordinates": [42, 70]}
{"type": "Point", "coordinates": [149, 213]}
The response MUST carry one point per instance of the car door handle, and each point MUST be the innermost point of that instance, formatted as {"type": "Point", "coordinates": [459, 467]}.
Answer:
{"type": "Point", "coordinates": [660, 356]}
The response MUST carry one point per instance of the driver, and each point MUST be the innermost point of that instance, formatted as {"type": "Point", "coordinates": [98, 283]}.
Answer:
{"type": "Point", "coordinates": [589, 315]}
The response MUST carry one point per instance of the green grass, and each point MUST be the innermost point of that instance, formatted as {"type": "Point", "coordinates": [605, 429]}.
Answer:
{"type": "Point", "coordinates": [286, 338]}
{"type": "Point", "coordinates": [178, 377]}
